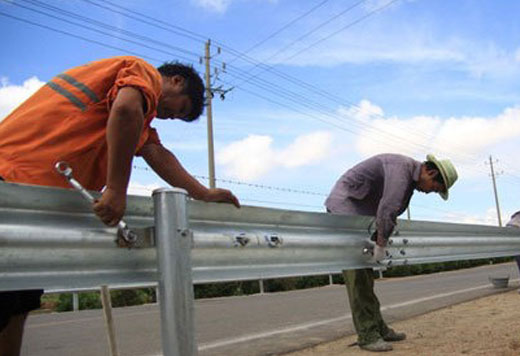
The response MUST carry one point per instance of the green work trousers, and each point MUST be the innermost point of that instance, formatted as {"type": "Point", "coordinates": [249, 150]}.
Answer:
{"type": "Point", "coordinates": [364, 305]}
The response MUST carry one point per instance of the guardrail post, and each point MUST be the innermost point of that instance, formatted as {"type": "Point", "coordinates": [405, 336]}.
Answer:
{"type": "Point", "coordinates": [173, 240]}
{"type": "Point", "coordinates": [75, 301]}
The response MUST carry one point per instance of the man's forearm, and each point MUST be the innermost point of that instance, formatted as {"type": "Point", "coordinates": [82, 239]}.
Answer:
{"type": "Point", "coordinates": [385, 224]}
{"type": "Point", "coordinates": [168, 167]}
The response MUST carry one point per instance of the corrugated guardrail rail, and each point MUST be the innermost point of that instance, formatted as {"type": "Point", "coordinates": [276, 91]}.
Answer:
{"type": "Point", "coordinates": [49, 238]}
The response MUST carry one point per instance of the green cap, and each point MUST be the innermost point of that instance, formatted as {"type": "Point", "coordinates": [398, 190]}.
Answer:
{"type": "Point", "coordinates": [448, 173]}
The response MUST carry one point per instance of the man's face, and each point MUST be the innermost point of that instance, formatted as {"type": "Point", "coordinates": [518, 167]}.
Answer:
{"type": "Point", "coordinates": [427, 182]}
{"type": "Point", "coordinates": [173, 104]}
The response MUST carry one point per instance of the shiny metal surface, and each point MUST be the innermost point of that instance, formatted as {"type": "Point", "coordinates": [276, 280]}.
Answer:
{"type": "Point", "coordinates": [174, 241]}
{"type": "Point", "coordinates": [50, 239]}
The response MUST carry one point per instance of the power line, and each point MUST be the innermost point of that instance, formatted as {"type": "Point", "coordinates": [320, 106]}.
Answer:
{"type": "Point", "coordinates": [305, 100]}
{"type": "Point", "coordinates": [67, 33]}
{"type": "Point", "coordinates": [103, 25]}
{"type": "Point", "coordinates": [290, 23]}
{"type": "Point", "coordinates": [78, 36]}
{"type": "Point", "coordinates": [252, 185]}
{"type": "Point", "coordinates": [98, 24]}
{"type": "Point", "coordinates": [342, 101]}
{"type": "Point", "coordinates": [371, 13]}
{"type": "Point", "coordinates": [153, 21]}
{"type": "Point", "coordinates": [319, 108]}
{"type": "Point", "coordinates": [191, 33]}
{"type": "Point", "coordinates": [308, 103]}
{"type": "Point", "coordinates": [308, 33]}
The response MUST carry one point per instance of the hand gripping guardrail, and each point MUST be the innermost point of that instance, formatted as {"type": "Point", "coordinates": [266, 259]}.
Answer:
{"type": "Point", "coordinates": [49, 238]}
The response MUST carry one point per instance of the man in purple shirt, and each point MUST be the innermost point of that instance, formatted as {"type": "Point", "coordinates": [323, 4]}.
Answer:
{"type": "Point", "coordinates": [382, 186]}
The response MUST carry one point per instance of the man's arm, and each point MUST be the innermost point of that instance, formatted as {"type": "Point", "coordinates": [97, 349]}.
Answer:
{"type": "Point", "coordinates": [125, 122]}
{"type": "Point", "coordinates": [168, 167]}
{"type": "Point", "coordinates": [395, 196]}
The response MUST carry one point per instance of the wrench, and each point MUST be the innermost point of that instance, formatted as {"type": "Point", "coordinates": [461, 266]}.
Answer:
{"type": "Point", "coordinates": [123, 230]}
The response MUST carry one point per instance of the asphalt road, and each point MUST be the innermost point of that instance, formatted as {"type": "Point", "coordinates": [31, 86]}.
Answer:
{"type": "Point", "coordinates": [259, 324]}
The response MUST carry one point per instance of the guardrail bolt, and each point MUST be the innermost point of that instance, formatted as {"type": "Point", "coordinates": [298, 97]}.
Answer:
{"type": "Point", "coordinates": [241, 240]}
{"type": "Point", "coordinates": [184, 232]}
{"type": "Point", "coordinates": [273, 240]}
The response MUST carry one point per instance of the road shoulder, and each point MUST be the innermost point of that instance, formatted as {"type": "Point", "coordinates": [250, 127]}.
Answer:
{"type": "Point", "coordinates": [485, 326]}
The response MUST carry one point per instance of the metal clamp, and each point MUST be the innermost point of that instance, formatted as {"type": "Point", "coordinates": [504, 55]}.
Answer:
{"type": "Point", "coordinates": [123, 231]}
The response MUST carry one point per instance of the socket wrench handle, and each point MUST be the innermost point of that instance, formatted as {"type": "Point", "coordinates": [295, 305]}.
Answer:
{"type": "Point", "coordinates": [65, 170]}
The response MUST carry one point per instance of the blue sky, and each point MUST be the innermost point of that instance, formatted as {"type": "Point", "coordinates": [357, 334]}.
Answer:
{"type": "Point", "coordinates": [318, 86]}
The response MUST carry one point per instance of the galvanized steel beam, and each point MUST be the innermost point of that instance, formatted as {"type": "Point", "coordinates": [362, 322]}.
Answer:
{"type": "Point", "coordinates": [49, 238]}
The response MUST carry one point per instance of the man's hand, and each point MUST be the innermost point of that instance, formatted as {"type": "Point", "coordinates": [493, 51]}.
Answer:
{"type": "Point", "coordinates": [221, 196]}
{"type": "Point", "coordinates": [111, 206]}
{"type": "Point", "coordinates": [379, 253]}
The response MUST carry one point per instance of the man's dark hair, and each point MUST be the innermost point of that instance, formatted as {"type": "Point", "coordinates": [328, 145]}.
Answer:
{"type": "Point", "coordinates": [193, 85]}
{"type": "Point", "coordinates": [432, 166]}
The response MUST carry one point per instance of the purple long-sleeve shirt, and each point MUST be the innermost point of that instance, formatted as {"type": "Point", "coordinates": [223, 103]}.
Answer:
{"type": "Point", "coordinates": [380, 186]}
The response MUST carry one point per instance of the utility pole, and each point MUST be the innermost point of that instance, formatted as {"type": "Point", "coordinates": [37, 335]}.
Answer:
{"type": "Point", "coordinates": [495, 190]}
{"type": "Point", "coordinates": [210, 92]}
{"type": "Point", "coordinates": [209, 115]}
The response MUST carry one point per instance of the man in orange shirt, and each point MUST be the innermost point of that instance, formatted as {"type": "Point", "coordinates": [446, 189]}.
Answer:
{"type": "Point", "coordinates": [96, 117]}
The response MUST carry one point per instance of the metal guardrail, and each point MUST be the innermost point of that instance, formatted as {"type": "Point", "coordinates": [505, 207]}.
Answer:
{"type": "Point", "coordinates": [50, 239]}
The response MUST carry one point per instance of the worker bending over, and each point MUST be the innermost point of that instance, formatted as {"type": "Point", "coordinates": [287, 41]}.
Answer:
{"type": "Point", "coordinates": [96, 117]}
{"type": "Point", "coordinates": [382, 186]}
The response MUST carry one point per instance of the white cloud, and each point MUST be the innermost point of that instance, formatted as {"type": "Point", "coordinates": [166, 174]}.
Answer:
{"type": "Point", "coordinates": [517, 55]}
{"type": "Point", "coordinates": [219, 6]}
{"type": "Point", "coordinates": [488, 218]}
{"type": "Point", "coordinates": [13, 95]}
{"type": "Point", "coordinates": [364, 111]}
{"type": "Point", "coordinates": [387, 40]}
{"type": "Point", "coordinates": [377, 48]}
{"type": "Point", "coordinates": [248, 158]}
{"type": "Point", "coordinates": [374, 5]}
{"type": "Point", "coordinates": [305, 150]}
{"type": "Point", "coordinates": [254, 156]}
{"type": "Point", "coordinates": [464, 140]}
{"type": "Point", "coordinates": [472, 134]}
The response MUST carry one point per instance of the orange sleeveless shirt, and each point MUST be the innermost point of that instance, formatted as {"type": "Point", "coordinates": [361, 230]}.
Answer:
{"type": "Point", "coordinates": [66, 120]}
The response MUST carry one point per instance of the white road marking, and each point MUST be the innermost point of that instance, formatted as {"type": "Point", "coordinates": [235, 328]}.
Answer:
{"type": "Point", "coordinates": [227, 342]}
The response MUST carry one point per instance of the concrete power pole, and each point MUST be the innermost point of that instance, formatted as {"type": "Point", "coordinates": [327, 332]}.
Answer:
{"type": "Point", "coordinates": [495, 190]}
{"type": "Point", "coordinates": [209, 115]}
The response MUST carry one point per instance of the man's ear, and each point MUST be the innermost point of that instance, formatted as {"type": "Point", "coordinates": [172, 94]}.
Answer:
{"type": "Point", "coordinates": [433, 173]}
{"type": "Point", "coordinates": [178, 80]}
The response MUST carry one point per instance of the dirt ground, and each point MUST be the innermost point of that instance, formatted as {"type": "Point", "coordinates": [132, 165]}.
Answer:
{"type": "Point", "coordinates": [486, 326]}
